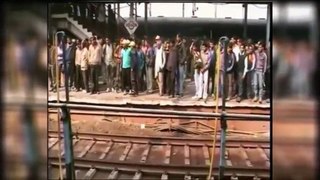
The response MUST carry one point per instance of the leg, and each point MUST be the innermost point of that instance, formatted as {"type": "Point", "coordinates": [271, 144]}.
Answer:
{"type": "Point", "coordinates": [261, 81]}
{"type": "Point", "coordinates": [108, 77]}
{"type": "Point", "coordinates": [168, 83]}
{"type": "Point", "coordinates": [85, 80]}
{"type": "Point", "coordinates": [160, 83]}
{"type": "Point", "coordinates": [255, 85]}
{"type": "Point", "coordinates": [240, 86]}
{"type": "Point", "coordinates": [195, 78]}
{"type": "Point", "coordinates": [77, 78]}
{"type": "Point", "coordinates": [205, 84]}
{"type": "Point", "coordinates": [200, 84]}
{"type": "Point", "coordinates": [249, 84]}
{"type": "Point", "coordinates": [181, 79]}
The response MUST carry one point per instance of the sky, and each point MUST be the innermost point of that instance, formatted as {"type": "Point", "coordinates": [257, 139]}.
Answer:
{"type": "Point", "coordinates": [207, 10]}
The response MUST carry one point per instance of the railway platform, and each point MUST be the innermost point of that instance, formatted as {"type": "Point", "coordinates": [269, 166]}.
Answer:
{"type": "Point", "coordinates": [119, 99]}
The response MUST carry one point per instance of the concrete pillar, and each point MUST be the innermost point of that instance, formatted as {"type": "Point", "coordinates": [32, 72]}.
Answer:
{"type": "Point", "coordinates": [268, 25]}
{"type": "Point", "coordinates": [245, 21]}
{"type": "Point", "coordinates": [146, 18]}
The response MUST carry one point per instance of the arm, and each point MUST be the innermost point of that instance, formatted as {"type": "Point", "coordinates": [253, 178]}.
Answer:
{"type": "Point", "coordinates": [164, 59]}
{"type": "Point", "coordinates": [254, 61]}
{"type": "Point", "coordinates": [265, 64]}
{"type": "Point", "coordinates": [245, 66]}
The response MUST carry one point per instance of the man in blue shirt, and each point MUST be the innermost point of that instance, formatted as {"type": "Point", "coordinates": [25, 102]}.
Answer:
{"type": "Point", "coordinates": [126, 66]}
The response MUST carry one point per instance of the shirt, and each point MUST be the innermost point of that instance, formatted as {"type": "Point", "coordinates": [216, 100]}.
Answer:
{"type": "Point", "coordinates": [84, 58]}
{"type": "Point", "coordinates": [95, 55]}
{"type": "Point", "coordinates": [108, 58]}
{"type": "Point", "coordinates": [126, 58]}
{"type": "Point", "coordinates": [78, 56]}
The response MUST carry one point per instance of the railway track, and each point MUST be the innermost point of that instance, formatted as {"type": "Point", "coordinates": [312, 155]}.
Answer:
{"type": "Point", "coordinates": [104, 156]}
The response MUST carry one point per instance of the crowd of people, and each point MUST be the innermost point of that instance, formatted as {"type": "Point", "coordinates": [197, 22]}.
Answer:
{"type": "Point", "coordinates": [132, 66]}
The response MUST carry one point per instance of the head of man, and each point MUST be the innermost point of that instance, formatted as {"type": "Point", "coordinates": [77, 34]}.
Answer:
{"type": "Point", "coordinates": [242, 48]}
{"type": "Point", "coordinates": [69, 41]}
{"type": "Point", "coordinates": [132, 45]}
{"type": "Point", "coordinates": [211, 45]}
{"type": "Point", "coordinates": [250, 49]}
{"type": "Point", "coordinates": [260, 48]}
{"type": "Point", "coordinates": [94, 41]}
{"type": "Point", "coordinates": [83, 44]}
{"type": "Point", "coordinates": [107, 41]}
{"type": "Point", "coordinates": [204, 47]}
{"type": "Point", "coordinates": [158, 41]}
{"type": "Point", "coordinates": [178, 38]}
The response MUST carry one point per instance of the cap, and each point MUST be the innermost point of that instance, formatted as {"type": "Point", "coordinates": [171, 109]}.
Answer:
{"type": "Point", "coordinates": [132, 43]}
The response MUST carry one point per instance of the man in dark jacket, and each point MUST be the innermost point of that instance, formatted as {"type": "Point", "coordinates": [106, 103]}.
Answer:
{"type": "Point", "coordinates": [231, 59]}
{"type": "Point", "coordinates": [171, 68]}
{"type": "Point", "coordinates": [70, 57]}
{"type": "Point", "coordinates": [182, 54]}
{"type": "Point", "coordinates": [241, 70]}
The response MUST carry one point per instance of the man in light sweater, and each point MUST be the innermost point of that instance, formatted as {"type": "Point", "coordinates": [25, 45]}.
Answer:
{"type": "Point", "coordinates": [109, 64]}
{"type": "Point", "coordinates": [160, 62]}
{"type": "Point", "coordinates": [95, 55]}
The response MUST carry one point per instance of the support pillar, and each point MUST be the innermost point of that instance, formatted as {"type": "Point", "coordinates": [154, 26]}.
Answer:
{"type": "Point", "coordinates": [268, 26]}
{"type": "Point", "coordinates": [245, 21]}
{"type": "Point", "coordinates": [68, 144]}
{"type": "Point", "coordinates": [223, 121]}
{"type": "Point", "coordinates": [146, 19]}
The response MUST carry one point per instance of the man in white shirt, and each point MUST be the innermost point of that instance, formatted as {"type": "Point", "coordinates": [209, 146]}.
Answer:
{"type": "Point", "coordinates": [160, 62]}
{"type": "Point", "coordinates": [109, 65]}
{"type": "Point", "coordinates": [95, 55]}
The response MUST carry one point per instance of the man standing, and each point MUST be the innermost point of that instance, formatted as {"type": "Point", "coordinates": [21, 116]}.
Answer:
{"type": "Point", "coordinates": [171, 67]}
{"type": "Point", "coordinates": [182, 53]}
{"type": "Point", "coordinates": [259, 71]}
{"type": "Point", "coordinates": [126, 66]}
{"type": "Point", "coordinates": [231, 58]}
{"type": "Point", "coordinates": [212, 68]}
{"type": "Point", "coordinates": [78, 78]}
{"type": "Point", "coordinates": [150, 57]}
{"type": "Point", "coordinates": [204, 73]}
{"type": "Point", "coordinates": [52, 67]}
{"type": "Point", "coordinates": [109, 64]}
{"type": "Point", "coordinates": [134, 68]}
{"type": "Point", "coordinates": [248, 69]}
{"type": "Point", "coordinates": [70, 58]}
{"type": "Point", "coordinates": [241, 70]}
{"type": "Point", "coordinates": [117, 55]}
{"type": "Point", "coordinates": [95, 55]}
{"type": "Point", "coordinates": [160, 62]}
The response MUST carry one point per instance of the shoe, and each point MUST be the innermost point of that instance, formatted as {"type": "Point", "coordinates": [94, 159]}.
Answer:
{"type": "Point", "coordinates": [238, 99]}
{"type": "Point", "coordinates": [228, 99]}
{"type": "Point", "coordinates": [84, 91]}
{"type": "Point", "coordinates": [126, 93]}
{"type": "Point", "coordinates": [255, 99]}
{"type": "Point", "coordinates": [98, 92]}
{"type": "Point", "coordinates": [195, 97]}
{"type": "Point", "coordinates": [260, 100]}
{"type": "Point", "coordinates": [205, 100]}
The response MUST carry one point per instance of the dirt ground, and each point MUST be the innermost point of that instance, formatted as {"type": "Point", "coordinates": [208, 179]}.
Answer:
{"type": "Point", "coordinates": [98, 125]}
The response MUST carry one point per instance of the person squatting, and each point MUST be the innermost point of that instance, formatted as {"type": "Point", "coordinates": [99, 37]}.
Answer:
{"type": "Point", "coordinates": [133, 67]}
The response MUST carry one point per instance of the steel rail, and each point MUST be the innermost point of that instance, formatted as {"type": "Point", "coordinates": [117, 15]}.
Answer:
{"type": "Point", "coordinates": [117, 114]}
{"type": "Point", "coordinates": [144, 111]}
{"type": "Point", "coordinates": [231, 142]}
{"type": "Point", "coordinates": [196, 170]}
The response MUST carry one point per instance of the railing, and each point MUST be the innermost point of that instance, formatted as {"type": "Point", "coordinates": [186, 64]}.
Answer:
{"type": "Point", "coordinates": [146, 112]}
